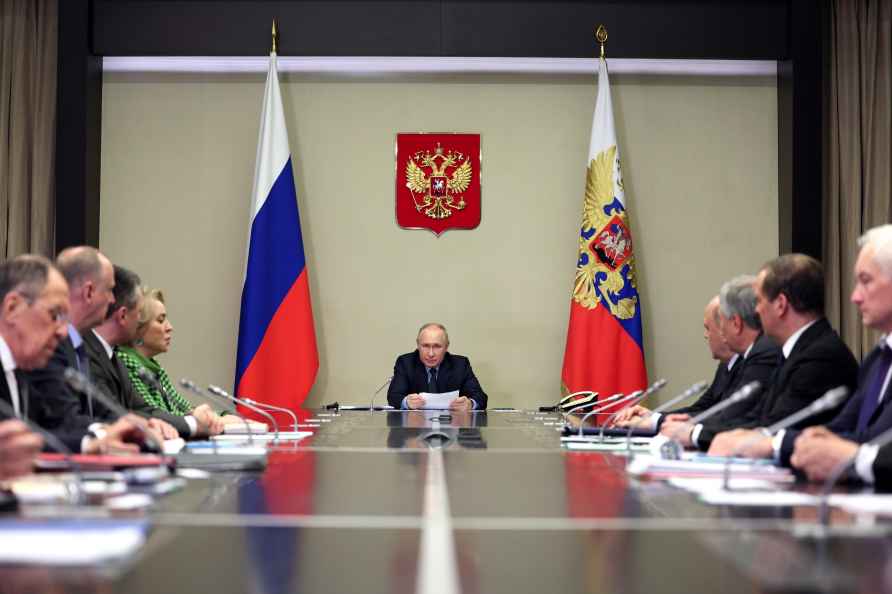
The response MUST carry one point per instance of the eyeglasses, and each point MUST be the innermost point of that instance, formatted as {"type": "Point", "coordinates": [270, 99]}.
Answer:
{"type": "Point", "coordinates": [57, 314]}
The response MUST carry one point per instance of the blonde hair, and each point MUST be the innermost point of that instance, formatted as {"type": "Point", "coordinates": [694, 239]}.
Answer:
{"type": "Point", "coordinates": [145, 310]}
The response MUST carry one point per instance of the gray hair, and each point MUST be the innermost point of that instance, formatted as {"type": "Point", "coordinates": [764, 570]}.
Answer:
{"type": "Point", "coordinates": [880, 239]}
{"type": "Point", "coordinates": [738, 298]}
{"type": "Point", "coordinates": [26, 274]}
{"type": "Point", "coordinates": [79, 264]}
{"type": "Point", "coordinates": [433, 325]}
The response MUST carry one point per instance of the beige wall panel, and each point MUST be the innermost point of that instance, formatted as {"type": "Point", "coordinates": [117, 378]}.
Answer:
{"type": "Point", "coordinates": [700, 165]}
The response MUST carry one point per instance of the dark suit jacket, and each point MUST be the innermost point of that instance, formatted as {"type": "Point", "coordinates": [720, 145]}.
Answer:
{"type": "Point", "coordinates": [759, 365]}
{"type": "Point", "coordinates": [882, 469]}
{"type": "Point", "coordinates": [714, 394]}
{"type": "Point", "coordinates": [455, 373]}
{"type": "Point", "coordinates": [845, 424]}
{"type": "Point", "coordinates": [52, 404]}
{"type": "Point", "coordinates": [111, 377]}
{"type": "Point", "coordinates": [819, 361]}
{"type": "Point", "coordinates": [57, 412]}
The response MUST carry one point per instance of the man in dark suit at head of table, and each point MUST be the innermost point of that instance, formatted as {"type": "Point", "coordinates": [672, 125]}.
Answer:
{"type": "Point", "coordinates": [432, 369]}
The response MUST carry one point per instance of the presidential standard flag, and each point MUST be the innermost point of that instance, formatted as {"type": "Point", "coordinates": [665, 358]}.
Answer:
{"type": "Point", "coordinates": [604, 350]}
{"type": "Point", "coordinates": [277, 358]}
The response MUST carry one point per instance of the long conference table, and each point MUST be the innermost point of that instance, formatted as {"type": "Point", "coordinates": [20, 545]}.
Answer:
{"type": "Point", "coordinates": [488, 502]}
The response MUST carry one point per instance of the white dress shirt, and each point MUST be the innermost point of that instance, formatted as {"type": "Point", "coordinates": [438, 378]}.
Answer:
{"type": "Point", "coordinates": [9, 367]}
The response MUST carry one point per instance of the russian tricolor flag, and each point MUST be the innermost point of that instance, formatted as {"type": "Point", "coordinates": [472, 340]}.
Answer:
{"type": "Point", "coordinates": [277, 358]}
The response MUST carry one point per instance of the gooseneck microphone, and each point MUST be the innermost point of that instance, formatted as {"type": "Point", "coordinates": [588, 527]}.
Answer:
{"type": "Point", "coordinates": [271, 407]}
{"type": "Point", "coordinates": [672, 450]}
{"type": "Point", "coordinates": [694, 390]}
{"type": "Point", "coordinates": [192, 387]}
{"type": "Point", "coordinates": [81, 383]}
{"type": "Point", "coordinates": [879, 441]}
{"type": "Point", "coordinates": [598, 410]}
{"type": "Point", "coordinates": [224, 394]}
{"type": "Point", "coordinates": [830, 399]}
{"type": "Point", "coordinates": [378, 391]}
{"type": "Point", "coordinates": [654, 388]}
{"type": "Point", "coordinates": [77, 493]}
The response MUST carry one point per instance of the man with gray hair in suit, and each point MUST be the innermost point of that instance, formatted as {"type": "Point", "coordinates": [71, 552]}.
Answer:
{"type": "Point", "coordinates": [34, 310]}
{"type": "Point", "coordinates": [816, 451]}
{"type": "Point", "coordinates": [741, 329]}
{"type": "Point", "coordinates": [723, 379]}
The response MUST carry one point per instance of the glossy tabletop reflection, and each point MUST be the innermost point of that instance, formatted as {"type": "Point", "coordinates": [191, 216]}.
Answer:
{"type": "Point", "coordinates": [486, 502]}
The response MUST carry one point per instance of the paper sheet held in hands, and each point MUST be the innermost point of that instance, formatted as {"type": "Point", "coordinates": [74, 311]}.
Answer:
{"type": "Point", "coordinates": [439, 401]}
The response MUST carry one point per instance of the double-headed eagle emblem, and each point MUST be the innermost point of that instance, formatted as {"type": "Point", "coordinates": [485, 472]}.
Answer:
{"type": "Point", "coordinates": [605, 272]}
{"type": "Point", "coordinates": [441, 192]}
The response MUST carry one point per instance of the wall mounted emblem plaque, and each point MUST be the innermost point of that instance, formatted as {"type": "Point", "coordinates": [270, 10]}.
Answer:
{"type": "Point", "coordinates": [438, 181]}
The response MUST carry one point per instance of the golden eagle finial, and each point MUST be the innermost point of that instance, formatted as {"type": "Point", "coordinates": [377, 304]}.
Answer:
{"type": "Point", "coordinates": [601, 37]}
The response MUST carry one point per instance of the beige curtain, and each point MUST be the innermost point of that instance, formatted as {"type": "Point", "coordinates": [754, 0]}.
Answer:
{"type": "Point", "coordinates": [858, 151]}
{"type": "Point", "coordinates": [28, 39]}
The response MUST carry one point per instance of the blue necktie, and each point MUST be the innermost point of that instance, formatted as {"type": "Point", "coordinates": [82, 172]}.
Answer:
{"type": "Point", "coordinates": [83, 365]}
{"type": "Point", "coordinates": [432, 381]}
{"type": "Point", "coordinates": [872, 396]}
{"type": "Point", "coordinates": [83, 360]}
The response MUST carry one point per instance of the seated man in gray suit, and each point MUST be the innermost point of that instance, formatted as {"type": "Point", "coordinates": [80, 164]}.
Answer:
{"type": "Point", "coordinates": [432, 369]}
{"type": "Point", "coordinates": [741, 328]}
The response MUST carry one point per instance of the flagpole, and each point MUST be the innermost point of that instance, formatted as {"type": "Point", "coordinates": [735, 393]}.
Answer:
{"type": "Point", "coordinates": [601, 36]}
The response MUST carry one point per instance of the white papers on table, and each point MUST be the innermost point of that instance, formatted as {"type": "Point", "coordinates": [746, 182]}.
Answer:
{"type": "Point", "coordinates": [263, 437]}
{"type": "Point", "coordinates": [610, 444]}
{"type": "Point", "coordinates": [864, 503]}
{"type": "Point", "coordinates": [55, 488]}
{"type": "Point", "coordinates": [701, 466]}
{"type": "Point", "coordinates": [242, 429]}
{"type": "Point", "coordinates": [439, 401]}
{"type": "Point", "coordinates": [707, 484]}
{"type": "Point", "coordinates": [173, 446]}
{"type": "Point", "coordinates": [758, 498]}
{"type": "Point", "coordinates": [242, 448]}
{"type": "Point", "coordinates": [69, 542]}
